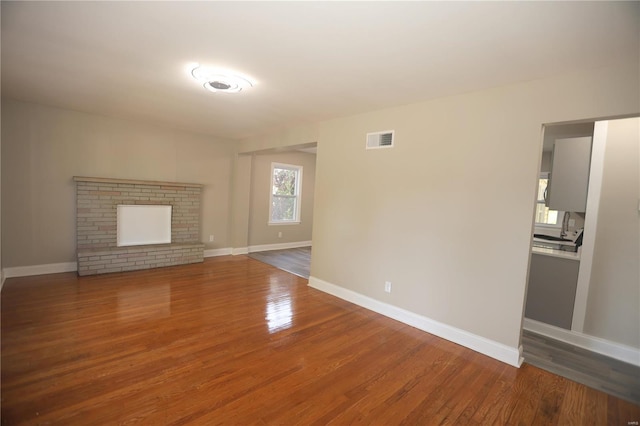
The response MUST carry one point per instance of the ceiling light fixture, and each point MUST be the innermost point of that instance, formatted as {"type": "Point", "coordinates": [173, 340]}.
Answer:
{"type": "Point", "coordinates": [220, 80]}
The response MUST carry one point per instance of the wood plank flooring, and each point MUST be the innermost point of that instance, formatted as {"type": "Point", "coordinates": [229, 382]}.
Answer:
{"type": "Point", "coordinates": [237, 341]}
{"type": "Point", "coordinates": [295, 260]}
{"type": "Point", "coordinates": [580, 365]}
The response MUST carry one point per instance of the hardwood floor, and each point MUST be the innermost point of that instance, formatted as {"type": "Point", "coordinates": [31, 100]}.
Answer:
{"type": "Point", "coordinates": [295, 260]}
{"type": "Point", "coordinates": [237, 341]}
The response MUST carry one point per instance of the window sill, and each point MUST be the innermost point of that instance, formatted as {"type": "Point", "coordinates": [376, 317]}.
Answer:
{"type": "Point", "coordinates": [282, 223]}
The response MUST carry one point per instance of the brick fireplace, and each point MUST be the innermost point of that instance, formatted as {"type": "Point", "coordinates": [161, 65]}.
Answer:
{"type": "Point", "coordinates": [96, 228]}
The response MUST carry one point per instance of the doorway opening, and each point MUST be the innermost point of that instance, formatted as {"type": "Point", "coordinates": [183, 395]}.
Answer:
{"type": "Point", "coordinates": [575, 323]}
{"type": "Point", "coordinates": [281, 200]}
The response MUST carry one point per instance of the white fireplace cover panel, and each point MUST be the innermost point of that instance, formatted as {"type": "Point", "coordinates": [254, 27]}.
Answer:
{"type": "Point", "coordinates": [143, 224]}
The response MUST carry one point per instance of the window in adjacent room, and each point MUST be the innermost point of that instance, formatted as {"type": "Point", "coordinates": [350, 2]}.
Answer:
{"type": "Point", "coordinates": [286, 194]}
{"type": "Point", "coordinates": [544, 216]}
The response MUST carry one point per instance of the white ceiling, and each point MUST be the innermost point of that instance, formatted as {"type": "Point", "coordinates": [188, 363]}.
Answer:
{"type": "Point", "coordinates": [311, 60]}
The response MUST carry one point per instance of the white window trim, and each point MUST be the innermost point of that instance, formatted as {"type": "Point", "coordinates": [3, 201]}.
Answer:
{"type": "Point", "coordinates": [298, 195]}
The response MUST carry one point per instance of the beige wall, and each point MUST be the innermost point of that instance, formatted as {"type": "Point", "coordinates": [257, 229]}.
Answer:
{"type": "Point", "coordinates": [296, 135]}
{"type": "Point", "coordinates": [401, 214]}
{"type": "Point", "coordinates": [260, 232]}
{"type": "Point", "coordinates": [613, 307]}
{"type": "Point", "coordinates": [240, 202]}
{"type": "Point", "coordinates": [43, 148]}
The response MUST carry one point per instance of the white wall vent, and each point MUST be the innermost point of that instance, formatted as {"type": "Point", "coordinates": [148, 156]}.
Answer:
{"type": "Point", "coordinates": [380, 139]}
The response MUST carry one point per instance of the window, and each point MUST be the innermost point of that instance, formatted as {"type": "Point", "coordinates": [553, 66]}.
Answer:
{"type": "Point", "coordinates": [544, 216]}
{"type": "Point", "coordinates": [286, 192]}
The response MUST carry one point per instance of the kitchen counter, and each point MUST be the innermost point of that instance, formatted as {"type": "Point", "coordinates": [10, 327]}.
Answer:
{"type": "Point", "coordinates": [549, 245]}
{"type": "Point", "coordinates": [556, 253]}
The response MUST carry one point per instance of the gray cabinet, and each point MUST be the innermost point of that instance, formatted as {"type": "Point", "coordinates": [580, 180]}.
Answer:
{"type": "Point", "coordinates": [551, 292]}
{"type": "Point", "coordinates": [569, 179]}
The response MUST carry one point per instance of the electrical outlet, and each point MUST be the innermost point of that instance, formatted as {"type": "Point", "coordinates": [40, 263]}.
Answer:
{"type": "Point", "coordinates": [211, 238]}
{"type": "Point", "coordinates": [387, 286]}
{"type": "Point", "coordinates": [279, 234]}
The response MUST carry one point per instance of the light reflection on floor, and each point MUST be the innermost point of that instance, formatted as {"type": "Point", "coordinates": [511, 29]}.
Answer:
{"type": "Point", "coordinates": [279, 311]}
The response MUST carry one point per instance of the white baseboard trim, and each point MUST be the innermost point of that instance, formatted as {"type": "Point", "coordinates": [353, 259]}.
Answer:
{"type": "Point", "coordinates": [51, 268]}
{"type": "Point", "coordinates": [499, 351]}
{"type": "Point", "coordinates": [278, 246]}
{"type": "Point", "coordinates": [605, 347]}
{"type": "Point", "coordinates": [218, 252]}
{"type": "Point", "coordinates": [239, 250]}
